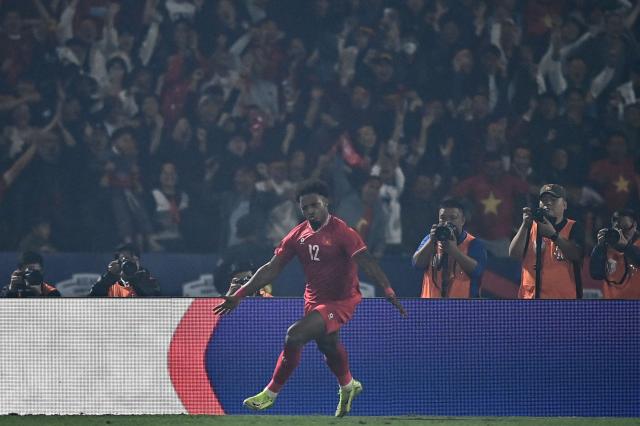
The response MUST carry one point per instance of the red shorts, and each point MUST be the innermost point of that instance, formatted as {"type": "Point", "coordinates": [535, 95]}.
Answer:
{"type": "Point", "coordinates": [335, 313]}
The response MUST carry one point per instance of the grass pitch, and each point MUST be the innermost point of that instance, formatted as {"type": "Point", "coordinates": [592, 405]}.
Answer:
{"type": "Point", "coordinates": [177, 420]}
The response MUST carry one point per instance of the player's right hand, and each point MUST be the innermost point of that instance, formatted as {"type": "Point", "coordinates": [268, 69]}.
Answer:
{"type": "Point", "coordinates": [229, 304]}
{"type": "Point", "coordinates": [394, 301]}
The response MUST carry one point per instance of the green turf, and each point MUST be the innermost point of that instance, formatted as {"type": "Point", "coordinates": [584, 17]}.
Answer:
{"type": "Point", "coordinates": [174, 420]}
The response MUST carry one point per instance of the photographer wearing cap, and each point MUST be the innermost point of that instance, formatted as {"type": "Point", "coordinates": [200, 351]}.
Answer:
{"type": "Point", "coordinates": [453, 259]}
{"type": "Point", "coordinates": [550, 247]}
{"type": "Point", "coordinates": [616, 257]}
{"type": "Point", "coordinates": [28, 279]}
{"type": "Point", "coordinates": [125, 277]}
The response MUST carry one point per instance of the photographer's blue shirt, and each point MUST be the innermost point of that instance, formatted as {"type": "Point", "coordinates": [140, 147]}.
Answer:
{"type": "Point", "coordinates": [477, 251]}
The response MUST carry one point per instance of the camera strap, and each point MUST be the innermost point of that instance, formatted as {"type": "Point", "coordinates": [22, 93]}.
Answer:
{"type": "Point", "coordinates": [632, 241]}
{"type": "Point", "coordinates": [444, 262]}
{"type": "Point", "coordinates": [624, 276]}
{"type": "Point", "coordinates": [538, 264]}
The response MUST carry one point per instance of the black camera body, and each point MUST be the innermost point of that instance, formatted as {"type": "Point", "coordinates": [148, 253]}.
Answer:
{"type": "Point", "coordinates": [128, 267]}
{"type": "Point", "coordinates": [539, 214]}
{"type": "Point", "coordinates": [445, 231]}
{"type": "Point", "coordinates": [612, 236]}
{"type": "Point", "coordinates": [32, 277]}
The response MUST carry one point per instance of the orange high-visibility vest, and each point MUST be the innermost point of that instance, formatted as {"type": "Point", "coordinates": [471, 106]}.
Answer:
{"type": "Point", "coordinates": [623, 278]}
{"type": "Point", "coordinates": [459, 286]}
{"type": "Point", "coordinates": [557, 279]}
{"type": "Point", "coordinates": [118, 290]}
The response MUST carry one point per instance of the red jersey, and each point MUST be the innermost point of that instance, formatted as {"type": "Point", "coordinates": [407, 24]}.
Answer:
{"type": "Point", "coordinates": [327, 259]}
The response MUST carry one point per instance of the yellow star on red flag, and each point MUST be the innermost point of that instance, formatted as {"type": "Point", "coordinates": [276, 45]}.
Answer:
{"type": "Point", "coordinates": [622, 184]}
{"type": "Point", "coordinates": [491, 204]}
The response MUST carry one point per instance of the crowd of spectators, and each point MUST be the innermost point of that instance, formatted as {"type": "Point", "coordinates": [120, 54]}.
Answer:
{"type": "Point", "coordinates": [163, 123]}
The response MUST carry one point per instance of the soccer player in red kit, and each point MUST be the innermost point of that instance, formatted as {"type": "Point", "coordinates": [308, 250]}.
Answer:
{"type": "Point", "coordinates": [330, 252]}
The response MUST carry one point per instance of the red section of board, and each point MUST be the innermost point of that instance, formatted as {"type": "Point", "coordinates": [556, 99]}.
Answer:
{"type": "Point", "coordinates": [186, 358]}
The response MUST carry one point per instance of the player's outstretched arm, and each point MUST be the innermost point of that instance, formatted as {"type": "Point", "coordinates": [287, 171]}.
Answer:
{"type": "Point", "coordinates": [266, 274]}
{"type": "Point", "coordinates": [370, 266]}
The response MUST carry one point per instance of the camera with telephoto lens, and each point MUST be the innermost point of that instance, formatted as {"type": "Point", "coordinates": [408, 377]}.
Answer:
{"type": "Point", "coordinates": [128, 267]}
{"type": "Point", "coordinates": [445, 231]}
{"type": "Point", "coordinates": [612, 236]}
{"type": "Point", "coordinates": [540, 213]}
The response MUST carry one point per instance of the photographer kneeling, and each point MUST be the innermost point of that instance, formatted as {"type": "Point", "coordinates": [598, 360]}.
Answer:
{"type": "Point", "coordinates": [28, 279]}
{"type": "Point", "coordinates": [453, 259]}
{"type": "Point", "coordinates": [125, 277]}
{"type": "Point", "coordinates": [550, 248]}
{"type": "Point", "coordinates": [616, 257]}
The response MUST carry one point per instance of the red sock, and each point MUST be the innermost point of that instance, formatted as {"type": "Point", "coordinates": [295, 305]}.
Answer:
{"type": "Point", "coordinates": [338, 362]}
{"type": "Point", "coordinates": [287, 362]}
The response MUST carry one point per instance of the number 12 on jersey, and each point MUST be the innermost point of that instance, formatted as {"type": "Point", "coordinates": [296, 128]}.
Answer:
{"type": "Point", "coordinates": [313, 252]}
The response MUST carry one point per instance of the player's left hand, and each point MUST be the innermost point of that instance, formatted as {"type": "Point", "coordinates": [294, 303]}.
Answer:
{"type": "Point", "coordinates": [394, 301]}
{"type": "Point", "coordinates": [229, 304]}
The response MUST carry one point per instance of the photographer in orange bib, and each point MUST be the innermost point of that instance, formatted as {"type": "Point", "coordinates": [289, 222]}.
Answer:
{"type": "Point", "coordinates": [550, 247]}
{"type": "Point", "coordinates": [616, 257]}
